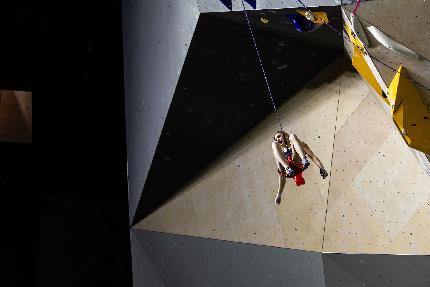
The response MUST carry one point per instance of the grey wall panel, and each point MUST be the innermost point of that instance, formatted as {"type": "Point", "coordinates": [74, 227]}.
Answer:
{"type": "Point", "coordinates": [338, 276]}
{"type": "Point", "coordinates": [191, 261]}
{"type": "Point", "coordinates": [156, 37]}
{"type": "Point", "coordinates": [144, 272]}
{"type": "Point", "coordinates": [376, 270]}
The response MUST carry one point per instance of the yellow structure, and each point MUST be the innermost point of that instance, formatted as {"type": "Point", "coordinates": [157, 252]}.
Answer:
{"type": "Point", "coordinates": [353, 38]}
{"type": "Point", "coordinates": [409, 112]}
{"type": "Point", "coordinates": [316, 17]}
{"type": "Point", "coordinates": [360, 63]}
{"type": "Point", "coordinates": [361, 66]}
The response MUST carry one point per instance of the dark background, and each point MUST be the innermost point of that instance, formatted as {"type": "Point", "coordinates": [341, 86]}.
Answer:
{"type": "Point", "coordinates": [64, 205]}
{"type": "Point", "coordinates": [65, 211]}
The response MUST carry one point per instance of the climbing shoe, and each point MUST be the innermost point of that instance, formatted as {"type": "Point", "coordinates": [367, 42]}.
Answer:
{"type": "Point", "coordinates": [323, 172]}
{"type": "Point", "coordinates": [278, 199]}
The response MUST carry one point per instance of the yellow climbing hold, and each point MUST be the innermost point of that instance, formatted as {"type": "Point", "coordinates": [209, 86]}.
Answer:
{"type": "Point", "coordinates": [264, 20]}
{"type": "Point", "coordinates": [316, 17]}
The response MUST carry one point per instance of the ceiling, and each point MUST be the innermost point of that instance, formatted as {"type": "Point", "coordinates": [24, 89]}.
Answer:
{"type": "Point", "coordinates": [221, 93]}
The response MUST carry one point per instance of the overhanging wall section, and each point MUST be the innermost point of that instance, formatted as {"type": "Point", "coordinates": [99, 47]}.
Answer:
{"type": "Point", "coordinates": [233, 199]}
{"type": "Point", "coordinates": [376, 179]}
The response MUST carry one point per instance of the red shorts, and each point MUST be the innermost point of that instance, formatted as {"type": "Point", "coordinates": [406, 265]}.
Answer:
{"type": "Point", "coordinates": [298, 170]}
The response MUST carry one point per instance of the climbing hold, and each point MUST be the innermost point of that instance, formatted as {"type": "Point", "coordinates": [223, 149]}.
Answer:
{"type": "Point", "coordinates": [264, 20]}
{"type": "Point", "coordinates": [302, 24]}
{"type": "Point", "coordinates": [391, 44]}
{"type": "Point", "coordinates": [309, 16]}
{"type": "Point", "coordinates": [315, 17]}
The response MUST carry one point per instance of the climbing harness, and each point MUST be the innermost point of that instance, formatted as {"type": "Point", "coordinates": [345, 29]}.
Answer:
{"type": "Point", "coordinates": [296, 171]}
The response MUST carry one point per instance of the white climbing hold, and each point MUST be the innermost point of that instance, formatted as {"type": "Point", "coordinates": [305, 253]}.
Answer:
{"type": "Point", "coordinates": [309, 16]}
{"type": "Point", "coordinates": [391, 44]}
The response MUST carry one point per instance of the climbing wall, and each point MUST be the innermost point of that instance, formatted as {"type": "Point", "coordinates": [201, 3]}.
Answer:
{"type": "Point", "coordinates": [234, 198]}
{"type": "Point", "coordinates": [379, 195]}
{"type": "Point", "coordinates": [378, 198]}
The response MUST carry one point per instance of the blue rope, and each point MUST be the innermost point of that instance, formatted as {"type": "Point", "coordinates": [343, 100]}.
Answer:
{"type": "Point", "coordinates": [262, 67]}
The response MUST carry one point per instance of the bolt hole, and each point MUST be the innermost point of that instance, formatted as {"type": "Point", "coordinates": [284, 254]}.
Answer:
{"type": "Point", "coordinates": [413, 125]}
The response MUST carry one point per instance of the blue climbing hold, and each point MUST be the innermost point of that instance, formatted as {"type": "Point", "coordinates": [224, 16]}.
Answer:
{"type": "Point", "coordinates": [302, 24]}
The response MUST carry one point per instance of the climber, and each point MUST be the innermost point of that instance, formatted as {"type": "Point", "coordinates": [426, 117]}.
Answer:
{"type": "Point", "coordinates": [288, 150]}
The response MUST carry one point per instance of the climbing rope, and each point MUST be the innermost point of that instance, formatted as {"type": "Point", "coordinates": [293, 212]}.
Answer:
{"type": "Point", "coordinates": [262, 67]}
{"type": "Point", "coordinates": [331, 166]}
{"type": "Point", "coordinates": [332, 28]}
{"type": "Point", "coordinates": [356, 7]}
